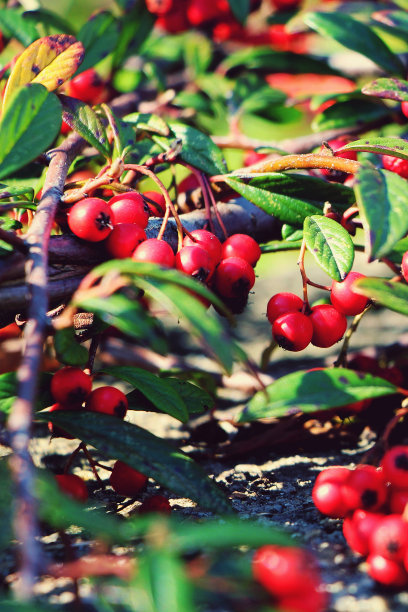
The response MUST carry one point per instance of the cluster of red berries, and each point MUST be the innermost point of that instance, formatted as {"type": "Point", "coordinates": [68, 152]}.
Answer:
{"type": "Point", "coordinates": [291, 577]}
{"type": "Point", "coordinates": [294, 329]}
{"type": "Point", "coordinates": [373, 502]}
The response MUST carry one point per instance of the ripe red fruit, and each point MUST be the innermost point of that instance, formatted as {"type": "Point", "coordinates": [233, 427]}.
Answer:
{"type": "Point", "coordinates": [129, 207]}
{"type": "Point", "coordinates": [365, 488]}
{"type": "Point", "coordinates": [71, 386]}
{"type": "Point", "coordinates": [155, 503]}
{"type": "Point", "coordinates": [157, 207]}
{"type": "Point", "coordinates": [72, 485]}
{"type": "Point", "coordinates": [12, 330]}
{"type": "Point", "coordinates": [285, 5]}
{"type": "Point", "coordinates": [88, 87]}
{"type": "Point", "coordinates": [344, 299]}
{"type": "Point", "coordinates": [159, 7]}
{"type": "Point", "coordinates": [127, 481]}
{"type": "Point", "coordinates": [108, 400]}
{"type": "Point", "coordinates": [282, 303]}
{"type": "Point", "coordinates": [234, 277]}
{"type": "Point", "coordinates": [293, 331]}
{"type": "Point", "coordinates": [195, 261]}
{"type": "Point", "coordinates": [404, 108]}
{"type": "Point", "coordinates": [155, 251]}
{"type": "Point", "coordinates": [55, 431]}
{"type": "Point", "coordinates": [396, 164]}
{"type": "Point", "coordinates": [241, 245]}
{"type": "Point", "coordinates": [395, 466]}
{"type": "Point", "coordinates": [329, 325]}
{"type": "Point", "coordinates": [390, 538]}
{"type": "Point", "coordinates": [335, 144]}
{"type": "Point", "coordinates": [398, 499]}
{"type": "Point", "coordinates": [404, 266]}
{"type": "Point", "coordinates": [357, 530]}
{"type": "Point", "coordinates": [387, 572]}
{"type": "Point", "coordinates": [208, 241]}
{"type": "Point", "coordinates": [252, 157]}
{"type": "Point", "coordinates": [328, 499]}
{"type": "Point", "coordinates": [335, 473]}
{"type": "Point", "coordinates": [90, 219]}
{"type": "Point", "coordinates": [123, 239]}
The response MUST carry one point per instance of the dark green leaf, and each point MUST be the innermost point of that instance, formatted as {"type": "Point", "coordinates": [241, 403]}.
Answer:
{"type": "Point", "coordinates": [398, 250]}
{"type": "Point", "coordinates": [123, 134]}
{"type": "Point", "coordinates": [14, 25]}
{"type": "Point", "coordinates": [19, 606]}
{"type": "Point", "coordinates": [275, 246]}
{"type": "Point", "coordinates": [99, 35]}
{"type": "Point", "coordinates": [67, 348]}
{"type": "Point", "coordinates": [291, 233]}
{"type": "Point", "coordinates": [6, 504]}
{"type": "Point", "coordinates": [14, 192]}
{"type": "Point", "coordinates": [240, 9]}
{"type": "Point", "coordinates": [84, 120]}
{"type": "Point", "coordinates": [197, 53]}
{"type": "Point", "coordinates": [28, 126]}
{"type": "Point", "coordinates": [398, 20]}
{"type": "Point", "coordinates": [262, 98]}
{"type": "Point", "coordinates": [135, 27]}
{"type": "Point", "coordinates": [8, 393]}
{"type": "Point", "coordinates": [196, 399]}
{"type": "Point", "coordinates": [348, 114]}
{"type": "Point", "coordinates": [382, 199]}
{"type": "Point", "coordinates": [148, 122]}
{"type": "Point", "coordinates": [159, 391]}
{"type": "Point", "coordinates": [50, 20]}
{"type": "Point", "coordinates": [191, 99]}
{"type": "Point", "coordinates": [356, 36]}
{"type": "Point", "coordinates": [309, 391]}
{"type": "Point", "coordinates": [330, 244]}
{"type": "Point", "coordinates": [391, 89]}
{"type": "Point", "coordinates": [144, 452]}
{"type": "Point", "coordinates": [198, 149]}
{"type": "Point", "coordinates": [380, 144]}
{"type": "Point", "coordinates": [392, 295]}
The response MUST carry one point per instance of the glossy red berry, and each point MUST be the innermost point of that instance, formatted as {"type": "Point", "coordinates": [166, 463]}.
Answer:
{"type": "Point", "coordinates": [70, 386]}
{"type": "Point", "coordinates": [108, 400]}
{"type": "Point", "coordinates": [404, 266]}
{"type": "Point", "coordinates": [329, 325]}
{"type": "Point", "coordinates": [357, 530]}
{"type": "Point", "coordinates": [207, 240]}
{"type": "Point", "coordinates": [282, 303]}
{"type": "Point", "coordinates": [293, 331]}
{"type": "Point", "coordinates": [396, 164]}
{"type": "Point", "coordinates": [127, 481]}
{"type": "Point", "coordinates": [233, 277]}
{"type": "Point", "coordinates": [365, 488]}
{"type": "Point", "coordinates": [395, 466]}
{"type": "Point", "coordinates": [155, 503]}
{"type": "Point", "coordinates": [87, 86]}
{"type": "Point", "coordinates": [398, 500]}
{"type": "Point", "coordinates": [344, 299]}
{"type": "Point", "coordinates": [404, 108]}
{"type": "Point", "coordinates": [90, 219]}
{"type": "Point", "coordinates": [241, 245]}
{"type": "Point", "coordinates": [123, 240]}
{"type": "Point", "coordinates": [155, 251]}
{"type": "Point", "coordinates": [335, 473]}
{"type": "Point", "coordinates": [156, 203]}
{"type": "Point", "coordinates": [195, 261]}
{"type": "Point", "coordinates": [387, 572]}
{"type": "Point", "coordinates": [129, 207]}
{"type": "Point", "coordinates": [390, 538]}
{"type": "Point", "coordinates": [328, 499]}
{"type": "Point", "coordinates": [72, 485]}
{"type": "Point", "coordinates": [159, 7]}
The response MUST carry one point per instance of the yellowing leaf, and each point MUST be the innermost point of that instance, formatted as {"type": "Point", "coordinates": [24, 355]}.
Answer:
{"type": "Point", "coordinates": [49, 61]}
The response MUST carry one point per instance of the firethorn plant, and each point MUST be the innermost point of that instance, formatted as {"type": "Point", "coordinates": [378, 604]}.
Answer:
{"type": "Point", "coordinates": [149, 171]}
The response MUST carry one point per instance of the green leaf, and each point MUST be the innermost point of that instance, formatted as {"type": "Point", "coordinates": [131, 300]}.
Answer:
{"type": "Point", "coordinates": [348, 114]}
{"type": "Point", "coordinates": [28, 126]}
{"type": "Point", "coordinates": [390, 89]}
{"type": "Point", "coordinates": [162, 394]}
{"type": "Point", "coordinates": [135, 26]}
{"type": "Point", "coordinates": [6, 504]}
{"type": "Point", "coordinates": [148, 122]}
{"type": "Point", "coordinates": [196, 399]}
{"type": "Point", "coordinates": [398, 250]}
{"type": "Point", "coordinates": [240, 9]}
{"type": "Point", "coordinates": [99, 35]}
{"type": "Point", "coordinates": [291, 233]}
{"type": "Point", "coordinates": [380, 144]}
{"type": "Point", "coordinates": [123, 134]}
{"type": "Point", "coordinates": [330, 244]}
{"type": "Point", "coordinates": [14, 192]}
{"type": "Point", "coordinates": [8, 393]}
{"type": "Point", "coordinates": [198, 149]}
{"type": "Point", "coordinates": [146, 453]}
{"type": "Point", "coordinates": [49, 19]}
{"type": "Point", "coordinates": [356, 36]}
{"type": "Point", "coordinates": [68, 349]}
{"type": "Point", "coordinates": [81, 118]}
{"type": "Point", "coordinates": [392, 295]}
{"type": "Point", "coordinates": [382, 200]}
{"type": "Point", "coordinates": [286, 208]}
{"type": "Point", "coordinates": [197, 53]}
{"type": "Point", "coordinates": [14, 25]}
{"type": "Point", "coordinates": [19, 606]}
{"type": "Point", "coordinates": [309, 391]}
{"type": "Point", "coordinates": [275, 246]}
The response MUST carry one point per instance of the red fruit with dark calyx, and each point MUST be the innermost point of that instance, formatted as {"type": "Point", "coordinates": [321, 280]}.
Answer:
{"type": "Point", "coordinates": [157, 207]}
{"type": "Point", "coordinates": [207, 240]}
{"type": "Point", "coordinates": [72, 485]}
{"type": "Point", "coordinates": [329, 325]}
{"type": "Point", "coordinates": [88, 86]}
{"type": "Point", "coordinates": [70, 386]}
{"type": "Point", "coordinates": [390, 538]}
{"type": "Point", "coordinates": [357, 530]}
{"type": "Point", "coordinates": [344, 299]}
{"type": "Point", "coordinates": [127, 481]}
{"type": "Point", "coordinates": [395, 466]}
{"type": "Point", "coordinates": [282, 303]}
{"type": "Point", "coordinates": [241, 245]}
{"type": "Point", "coordinates": [156, 503]}
{"type": "Point", "coordinates": [155, 251]}
{"type": "Point", "coordinates": [195, 261]}
{"type": "Point", "coordinates": [123, 240]}
{"type": "Point", "coordinates": [108, 400]}
{"type": "Point", "coordinates": [90, 219]}
{"type": "Point", "coordinates": [396, 164]}
{"type": "Point", "coordinates": [129, 208]}
{"type": "Point", "coordinates": [233, 277]}
{"type": "Point", "coordinates": [293, 331]}
{"type": "Point", "coordinates": [365, 489]}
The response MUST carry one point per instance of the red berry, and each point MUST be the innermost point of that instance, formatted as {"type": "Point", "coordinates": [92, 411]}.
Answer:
{"type": "Point", "coordinates": [282, 303]}
{"type": "Point", "coordinates": [335, 473]}
{"type": "Point", "coordinates": [387, 572]}
{"type": "Point", "coordinates": [90, 219]}
{"type": "Point", "coordinates": [72, 485]}
{"type": "Point", "coordinates": [127, 481]}
{"type": "Point", "coordinates": [285, 5]}
{"type": "Point", "coordinates": [313, 600]}
{"type": "Point", "coordinates": [234, 277]}
{"type": "Point", "coordinates": [396, 164]}
{"type": "Point", "coordinates": [344, 299]}
{"type": "Point", "coordinates": [293, 331]}
{"type": "Point", "coordinates": [159, 7]}
{"type": "Point", "coordinates": [195, 261]}
{"type": "Point", "coordinates": [357, 530]}
{"type": "Point", "coordinates": [328, 499]}
{"type": "Point", "coordinates": [157, 207]}
{"type": "Point", "coordinates": [329, 325]}
{"type": "Point", "coordinates": [65, 128]}
{"type": "Point", "coordinates": [123, 239]}
{"type": "Point", "coordinates": [404, 108]}
{"type": "Point", "coordinates": [241, 245]}
{"type": "Point", "coordinates": [390, 538]}
{"type": "Point", "coordinates": [398, 500]}
{"type": "Point", "coordinates": [71, 386]}
{"type": "Point", "coordinates": [395, 466]}
{"type": "Point", "coordinates": [108, 400]}
{"type": "Point", "coordinates": [404, 266]}
{"type": "Point", "coordinates": [252, 157]}
{"type": "Point", "coordinates": [155, 503]}
{"type": "Point", "coordinates": [208, 241]}
{"type": "Point", "coordinates": [87, 86]}
{"type": "Point", "coordinates": [337, 175]}
{"type": "Point", "coordinates": [129, 207]}
{"type": "Point", "coordinates": [155, 251]}
{"type": "Point", "coordinates": [365, 488]}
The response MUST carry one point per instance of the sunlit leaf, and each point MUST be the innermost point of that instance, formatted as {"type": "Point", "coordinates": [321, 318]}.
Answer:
{"type": "Point", "coordinates": [391, 89]}
{"type": "Point", "coordinates": [383, 145]}
{"type": "Point", "coordinates": [392, 295]}
{"type": "Point", "coordinates": [83, 119]}
{"type": "Point", "coordinates": [330, 244]}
